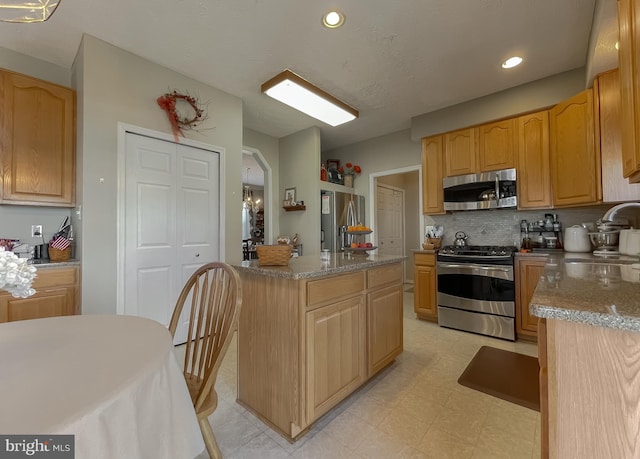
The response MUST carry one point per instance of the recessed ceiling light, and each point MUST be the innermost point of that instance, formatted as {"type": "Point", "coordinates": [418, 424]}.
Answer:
{"type": "Point", "coordinates": [333, 19]}
{"type": "Point", "coordinates": [617, 45]}
{"type": "Point", "coordinates": [511, 62]}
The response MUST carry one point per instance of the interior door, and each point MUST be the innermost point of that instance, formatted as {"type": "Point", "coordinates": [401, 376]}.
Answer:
{"type": "Point", "coordinates": [390, 220]}
{"type": "Point", "coordinates": [172, 208]}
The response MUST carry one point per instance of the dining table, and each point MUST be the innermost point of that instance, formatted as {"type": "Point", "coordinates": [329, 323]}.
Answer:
{"type": "Point", "coordinates": [111, 381]}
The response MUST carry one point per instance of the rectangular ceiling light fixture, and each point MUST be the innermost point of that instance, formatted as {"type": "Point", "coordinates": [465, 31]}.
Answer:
{"type": "Point", "coordinates": [295, 91]}
{"type": "Point", "coordinates": [27, 10]}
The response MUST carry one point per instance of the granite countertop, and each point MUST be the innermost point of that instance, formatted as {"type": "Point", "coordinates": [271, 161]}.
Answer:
{"type": "Point", "coordinates": [47, 264]}
{"type": "Point", "coordinates": [309, 266]}
{"type": "Point", "coordinates": [593, 290]}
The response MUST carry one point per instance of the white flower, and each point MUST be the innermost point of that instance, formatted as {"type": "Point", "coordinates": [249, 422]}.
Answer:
{"type": "Point", "coordinates": [16, 275]}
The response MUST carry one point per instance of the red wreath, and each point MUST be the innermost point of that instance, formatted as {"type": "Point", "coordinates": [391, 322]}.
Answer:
{"type": "Point", "coordinates": [168, 103]}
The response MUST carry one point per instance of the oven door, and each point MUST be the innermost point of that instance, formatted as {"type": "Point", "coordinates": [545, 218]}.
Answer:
{"type": "Point", "coordinates": [477, 287]}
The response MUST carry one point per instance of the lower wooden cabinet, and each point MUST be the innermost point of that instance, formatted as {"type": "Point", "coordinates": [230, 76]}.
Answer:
{"type": "Point", "coordinates": [56, 295]}
{"type": "Point", "coordinates": [335, 353]}
{"type": "Point", "coordinates": [425, 293]}
{"type": "Point", "coordinates": [384, 327]}
{"type": "Point", "coordinates": [528, 272]}
{"type": "Point", "coordinates": [305, 344]}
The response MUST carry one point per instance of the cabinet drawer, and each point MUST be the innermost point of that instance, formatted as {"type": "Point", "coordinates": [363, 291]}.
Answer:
{"type": "Point", "coordinates": [424, 259]}
{"type": "Point", "coordinates": [47, 278]}
{"type": "Point", "coordinates": [391, 274]}
{"type": "Point", "coordinates": [323, 290]}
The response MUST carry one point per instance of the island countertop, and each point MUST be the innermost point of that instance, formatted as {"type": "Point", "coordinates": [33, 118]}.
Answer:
{"type": "Point", "coordinates": [309, 266]}
{"type": "Point", "coordinates": [590, 290]}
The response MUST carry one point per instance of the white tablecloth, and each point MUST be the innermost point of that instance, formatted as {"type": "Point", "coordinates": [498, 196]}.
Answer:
{"type": "Point", "coordinates": [112, 381]}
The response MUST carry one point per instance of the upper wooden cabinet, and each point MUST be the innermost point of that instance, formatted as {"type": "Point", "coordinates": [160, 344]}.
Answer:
{"type": "Point", "coordinates": [497, 145]}
{"type": "Point", "coordinates": [575, 160]}
{"type": "Point", "coordinates": [629, 64]}
{"type": "Point", "coordinates": [614, 187]}
{"type": "Point", "coordinates": [37, 148]}
{"type": "Point", "coordinates": [432, 174]}
{"type": "Point", "coordinates": [461, 152]}
{"type": "Point", "coordinates": [534, 179]}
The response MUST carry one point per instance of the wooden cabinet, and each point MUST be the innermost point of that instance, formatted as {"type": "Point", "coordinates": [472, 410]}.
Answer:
{"type": "Point", "coordinates": [614, 187]}
{"type": "Point", "coordinates": [528, 272]}
{"type": "Point", "coordinates": [384, 327]}
{"type": "Point", "coordinates": [37, 152]}
{"type": "Point", "coordinates": [534, 176]}
{"type": "Point", "coordinates": [305, 344]}
{"type": "Point", "coordinates": [589, 391]}
{"type": "Point", "coordinates": [57, 294]}
{"type": "Point", "coordinates": [575, 160]}
{"type": "Point", "coordinates": [425, 293]}
{"type": "Point", "coordinates": [497, 145]}
{"type": "Point", "coordinates": [432, 174]}
{"type": "Point", "coordinates": [629, 64]}
{"type": "Point", "coordinates": [335, 354]}
{"type": "Point", "coordinates": [460, 152]}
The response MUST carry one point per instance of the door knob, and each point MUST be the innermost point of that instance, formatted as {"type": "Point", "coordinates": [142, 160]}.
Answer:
{"type": "Point", "coordinates": [197, 255]}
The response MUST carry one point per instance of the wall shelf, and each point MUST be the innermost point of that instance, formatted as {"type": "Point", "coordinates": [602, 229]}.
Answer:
{"type": "Point", "coordinates": [293, 208]}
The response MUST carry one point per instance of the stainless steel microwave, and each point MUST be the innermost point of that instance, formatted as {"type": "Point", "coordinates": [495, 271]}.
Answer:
{"type": "Point", "coordinates": [487, 190]}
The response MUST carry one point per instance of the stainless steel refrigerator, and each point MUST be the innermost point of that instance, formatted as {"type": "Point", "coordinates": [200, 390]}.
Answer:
{"type": "Point", "coordinates": [338, 211]}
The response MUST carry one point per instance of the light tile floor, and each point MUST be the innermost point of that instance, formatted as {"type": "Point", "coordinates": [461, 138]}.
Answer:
{"type": "Point", "coordinates": [413, 409]}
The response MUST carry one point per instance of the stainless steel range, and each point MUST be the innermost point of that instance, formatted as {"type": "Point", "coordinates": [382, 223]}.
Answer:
{"type": "Point", "coordinates": [476, 290]}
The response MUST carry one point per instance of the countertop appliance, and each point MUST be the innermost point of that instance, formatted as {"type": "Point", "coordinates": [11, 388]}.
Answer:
{"type": "Point", "coordinates": [576, 239]}
{"type": "Point", "coordinates": [476, 290]}
{"type": "Point", "coordinates": [338, 211]}
{"type": "Point", "coordinates": [487, 190]}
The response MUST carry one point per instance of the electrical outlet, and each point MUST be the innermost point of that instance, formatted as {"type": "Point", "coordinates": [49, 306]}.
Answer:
{"type": "Point", "coordinates": [36, 230]}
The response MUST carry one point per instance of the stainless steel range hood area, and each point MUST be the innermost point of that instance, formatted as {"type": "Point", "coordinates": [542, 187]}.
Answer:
{"type": "Point", "coordinates": [487, 190]}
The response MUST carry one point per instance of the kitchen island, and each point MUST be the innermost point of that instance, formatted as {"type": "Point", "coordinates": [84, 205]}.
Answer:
{"type": "Point", "coordinates": [312, 332]}
{"type": "Point", "coordinates": [589, 351]}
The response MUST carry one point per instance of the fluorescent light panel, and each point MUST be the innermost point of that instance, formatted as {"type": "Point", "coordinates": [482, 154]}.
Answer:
{"type": "Point", "coordinates": [295, 91]}
{"type": "Point", "coordinates": [27, 11]}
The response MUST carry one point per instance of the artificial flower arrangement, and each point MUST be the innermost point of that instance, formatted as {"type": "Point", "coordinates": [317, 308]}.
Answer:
{"type": "Point", "coordinates": [16, 275]}
{"type": "Point", "coordinates": [350, 169]}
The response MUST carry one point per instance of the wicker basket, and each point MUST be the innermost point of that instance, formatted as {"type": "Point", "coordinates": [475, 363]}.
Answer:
{"type": "Point", "coordinates": [274, 255]}
{"type": "Point", "coordinates": [59, 255]}
{"type": "Point", "coordinates": [436, 241]}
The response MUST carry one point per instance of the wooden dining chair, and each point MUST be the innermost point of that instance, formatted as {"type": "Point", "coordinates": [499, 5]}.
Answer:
{"type": "Point", "coordinates": [214, 295]}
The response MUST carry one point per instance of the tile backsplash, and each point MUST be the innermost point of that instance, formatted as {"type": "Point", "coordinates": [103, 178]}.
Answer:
{"type": "Point", "coordinates": [502, 226]}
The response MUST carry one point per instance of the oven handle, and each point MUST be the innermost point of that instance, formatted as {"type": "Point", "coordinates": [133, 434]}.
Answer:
{"type": "Point", "coordinates": [496, 271]}
{"type": "Point", "coordinates": [474, 266]}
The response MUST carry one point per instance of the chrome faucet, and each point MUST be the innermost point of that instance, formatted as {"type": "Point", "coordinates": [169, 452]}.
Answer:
{"type": "Point", "coordinates": [611, 213]}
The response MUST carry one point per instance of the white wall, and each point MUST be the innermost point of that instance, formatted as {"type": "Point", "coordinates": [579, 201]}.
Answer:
{"type": "Point", "coordinates": [300, 168]}
{"type": "Point", "coordinates": [33, 67]}
{"type": "Point", "coordinates": [385, 153]}
{"type": "Point", "coordinates": [268, 147]}
{"type": "Point", "coordinates": [525, 98]}
{"type": "Point", "coordinates": [118, 86]}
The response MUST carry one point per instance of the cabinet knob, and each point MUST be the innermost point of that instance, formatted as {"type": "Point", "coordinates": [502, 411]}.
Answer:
{"type": "Point", "coordinates": [197, 255]}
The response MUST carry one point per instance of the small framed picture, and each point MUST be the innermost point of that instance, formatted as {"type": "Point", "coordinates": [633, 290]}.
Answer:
{"type": "Point", "coordinates": [290, 194]}
{"type": "Point", "coordinates": [333, 164]}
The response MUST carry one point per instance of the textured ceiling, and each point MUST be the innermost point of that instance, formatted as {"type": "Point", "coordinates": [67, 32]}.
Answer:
{"type": "Point", "coordinates": [391, 60]}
